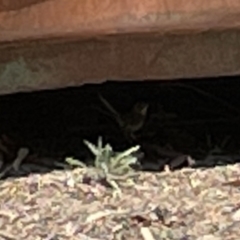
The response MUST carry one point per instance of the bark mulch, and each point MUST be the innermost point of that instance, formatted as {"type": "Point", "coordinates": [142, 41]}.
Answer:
{"type": "Point", "coordinates": [184, 204]}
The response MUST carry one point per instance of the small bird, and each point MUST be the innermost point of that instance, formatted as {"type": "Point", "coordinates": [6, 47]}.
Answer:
{"type": "Point", "coordinates": [132, 121]}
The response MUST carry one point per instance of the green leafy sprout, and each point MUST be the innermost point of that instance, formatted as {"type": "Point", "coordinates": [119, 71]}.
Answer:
{"type": "Point", "coordinates": [109, 165]}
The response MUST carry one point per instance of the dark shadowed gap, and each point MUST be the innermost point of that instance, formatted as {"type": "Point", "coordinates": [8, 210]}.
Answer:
{"type": "Point", "coordinates": [52, 124]}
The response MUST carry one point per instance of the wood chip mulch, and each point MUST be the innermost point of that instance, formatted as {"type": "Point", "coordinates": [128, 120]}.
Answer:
{"type": "Point", "coordinates": [189, 204]}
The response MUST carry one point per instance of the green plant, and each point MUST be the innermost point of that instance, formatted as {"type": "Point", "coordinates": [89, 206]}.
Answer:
{"type": "Point", "coordinates": [112, 166]}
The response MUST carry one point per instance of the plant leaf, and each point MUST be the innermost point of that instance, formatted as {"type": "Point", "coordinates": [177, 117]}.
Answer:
{"type": "Point", "coordinates": [127, 153]}
{"type": "Point", "coordinates": [75, 162]}
{"type": "Point", "coordinates": [95, 150]}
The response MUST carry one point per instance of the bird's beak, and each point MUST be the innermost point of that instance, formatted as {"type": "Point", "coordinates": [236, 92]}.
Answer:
{"type": "Point", "coordinates": [144, 110]}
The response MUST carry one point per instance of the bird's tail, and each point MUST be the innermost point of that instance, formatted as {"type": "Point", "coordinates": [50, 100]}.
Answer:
{"type": "Point", "coordinates": [109, 107]}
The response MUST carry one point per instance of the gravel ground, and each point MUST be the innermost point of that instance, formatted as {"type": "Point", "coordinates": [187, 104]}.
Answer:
{"type": "Point", "coordinates": [185, 204]}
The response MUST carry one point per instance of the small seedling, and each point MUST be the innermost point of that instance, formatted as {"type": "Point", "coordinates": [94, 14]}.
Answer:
{"type": "Point", "coordinates": [109, 165]}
